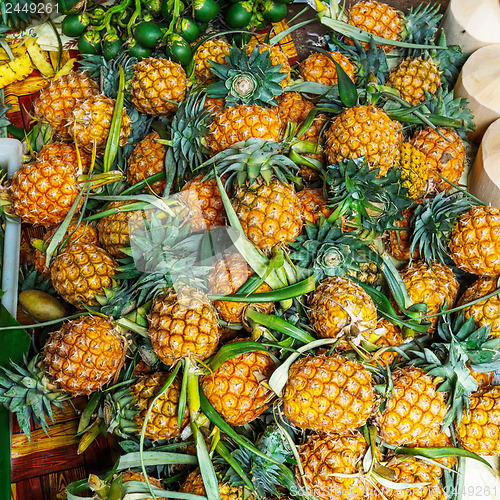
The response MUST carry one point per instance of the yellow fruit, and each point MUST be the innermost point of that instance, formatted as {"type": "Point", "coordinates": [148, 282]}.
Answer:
{"type": "Point", "coordinates": [156, 83]}
{"type": "Point", "coordinates": [81, 272]}
{"type": "Point", "coordinates": [414, 170]}
{"type": "Point", "coordinates": [277, 56]}
{"type": "Point", "coordinates": [113, 230]}
{"type": "Point", "coordinates": [194, 484]}
{"type": "Point", "coordinates": [238, 389]}
{"type": "Point", "coordinates": [364, 131]}
{"type": "Point", "coordinates": [328, 394]}
{"type": "Point", "coordinates": [313, 204]}
{"type": "Point", "coordinates": [84, 354]}
{"type": "Point", "coordinates": [475, 241]}
{"type": "Point", "coordinates": [65, 155]}
{"type": "Point", "coordinates": [397, 243]}
{"type": "Point", "coordinates": [211, 50]}
{"type": "Point", "coordinates": [129, 475]}
{"type": "Point", "coordinates": [387, 334]}
{"type": "Point", "coordinates": [320, 68]}
{"type": "Point", "coordinates": [183, 324]}
{"type": "Point", "coordinates": [293, 107]}
{"type": "Point", "coordinates": [15, 71]}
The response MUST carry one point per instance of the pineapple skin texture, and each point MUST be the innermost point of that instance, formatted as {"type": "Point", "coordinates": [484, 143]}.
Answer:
{"type": "Point", "coordinates": [129, 475]}
{"type": "Point", "coordinates": [84, 354]}
{"type": "Point", "coordinates": [66, 155]}
{"type": "Point", "coordinates": [162, 423]}
{"type": "Point", "coordinates": [336, 303]}
{"type": "Point", "coordinates": [479, 430]}
{"type": "Point", "coordinates": [235, 390]}
{"type": "Point", "coordinates": [328, 394]}
{"type": "Point", "coordinates": [324, 455]}
{"type": "Point", "coordinates": [414, 170]}
{"type": "Point", "coordinates": [42, 193]}
{"type": "Point", "coordinates": [475, 241]}
{"type": "Point", "coordinates": [210, 50]}
{"type": "Point", "coordinates": [293, 107]}
{"type": "Point", "coordinates": [416, 410]}
{"type": "Point", "coordinates": [320, 68]}
{"type": "Point", "coordinates": [313, 204]}
{"type": "Point", "coordinates": [56, 102]}
{"type": "Point", "coordinates": [270, 214]}
{"type": "Point", "coordinates": [147, 159]}
{"type": "Point", "coordinates": [364, 131]}
{"type": "Point", "coordinates": [81, 272]}
{"type": "Point", "coordinates": [156, 82]}
{"type": "Point", "coordinates": [113, 230]}
{"type": "Point", "coordinates": [183, 324]}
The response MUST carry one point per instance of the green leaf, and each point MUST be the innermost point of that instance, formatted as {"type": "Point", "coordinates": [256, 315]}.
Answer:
{"type": "Point", "coordinates": [232, 350]}
{"type": "Point", "coordinates": [347, 88]}
{"type": "Point", "coordinates": [206, 466]}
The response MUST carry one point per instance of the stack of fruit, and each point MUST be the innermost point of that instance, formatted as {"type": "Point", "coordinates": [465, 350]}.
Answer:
{"type": "Point", "coordinates": [276, 284]}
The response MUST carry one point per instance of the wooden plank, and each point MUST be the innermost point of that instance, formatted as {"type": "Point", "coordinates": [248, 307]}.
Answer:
{"type": "Point", "coordinates": [54, 485]}
{"type": "Point", "coordinates": [29, 489]}
{"type": "Point", "coordinates": [102, 454]}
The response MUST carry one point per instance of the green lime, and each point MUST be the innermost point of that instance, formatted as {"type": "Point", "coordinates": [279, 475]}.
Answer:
{"type": "Point", "coordinates": [148, 34]}
{"type": "Point", "coordinates": [188, 29]}
{"type": "Point", "coordinates": [205, 10]}
{"type": "Point", "coordinates": [111, 46]}
{"type": "Point", "coordinates": [89, 43]}
{"type": "Point", "coordinates": [238, 15]}
{"type": "Point", "coordinates": [138, 51]}
{"type": "Point", "coordinates": [97, 15]}
{"type": "Point", "coordinates": [75, 25]}
{"type": "Point", "coordinates": [178, 50]}
{"type": "Point", "coordinates": [275, 12]}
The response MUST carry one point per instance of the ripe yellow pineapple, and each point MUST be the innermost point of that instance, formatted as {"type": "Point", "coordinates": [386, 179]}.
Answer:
{"type": "Point", "coordinates": [328, 394]}
{"type": "Point", "coordinates": [377, 18]}
{"type": "Point", "coordinates": [83, 233]}
{"type": "Point", "coordinates": [313, 204]}
{"type": "Point", "coordinates": [364, 131]}
{"type": "Point", "coordinates": [398, 240]}
{"type": "Point", "coordinates": [293, 107]}
{"type": "Point", "coordinates": [415, 411]}
{"type": "Point", "coordinates": [227, 275]}
{"type": "Point", "coordinates": [65, 154]}
{"type": "Point", "coordinates": [81, 272]}
{"type": "Point", "coordinates": [90, 123]}
{"type": "Point", "coordinates": [482, 378]}
{"type": "Point", "coordinates": [444, 152]}
{"type": "Point", "coordinates": [438, 440]}
{"type": "Point", "coordinates": [434, 285]}
{"type": "Point", "coordinates": [214, 49]}
{"type": "Point", "coordinates": [475, 241]}
{"type": "Point", "coordinates": [162, 422]}
{"type": "Point", "coordinates": [238, 123]}
{"type": "Point", "coordinates": [270, 214]}
{"type": "Point", "coordinates": [413, 77]}
{"type": "Point", "coordinates": [56, 102]}
{"type": "Point", "coordinates": [331, 464]}
{"type": "Point", "coordinates": [183, 324]}
{"type": "Point", "coordinates": [238, 389]}
{"type": "Point", "coordinates": [278, 58]}
{"type": "Point", "coordinates": [387, 334]}
{"type": "Point", "coordinates": [129, 475]}
{"type": "Point", "coordinates": [479, 428]}
{"type": "Point", "coordinates": [486, 312]}
{"type": "Point", "coordinates": [84, 354]}
{"type": "Point", "coordinates": [155, 84]}
{"type": "Point", "coordinates": [340, 307]}
{"type": "Point", "coordinates": [147, 159]}
{"type": "Point", "coordinates": [202, 199]}
{"type": "Point", "coordinates": [414, 170]}
{"type": "Point", "coordinates": [320, 68]}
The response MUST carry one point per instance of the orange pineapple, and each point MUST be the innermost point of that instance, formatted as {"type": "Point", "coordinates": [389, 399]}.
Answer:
{"type": "Point", "coordinates": [214, 49]}
{"type": "Point", "coordinates": [320, 68]}
{"type": "Point", "coordinates": [313, 204]}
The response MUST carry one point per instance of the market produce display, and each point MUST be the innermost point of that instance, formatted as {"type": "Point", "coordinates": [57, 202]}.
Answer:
{"type": "Point", "coordinates": [265, 279]}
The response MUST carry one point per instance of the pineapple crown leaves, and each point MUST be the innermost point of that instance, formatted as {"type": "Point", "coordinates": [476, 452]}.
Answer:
{"type": "Point", "coordinates": [367, 201]}
{"type": "Point", "coordinates": [328, 251]}
{"type": "Point", "coordinates": [450, 60]}
{"type": "Point", "coordinates": [246, 161]}
{"type": "Point", "coordinates": [247, 79]}
{"type": "Point", "coordinates": [118, 411]}
{"type": "Point", "coordinates": [433, 221]}
{"type": "Point", "coordinates": [26, 391]}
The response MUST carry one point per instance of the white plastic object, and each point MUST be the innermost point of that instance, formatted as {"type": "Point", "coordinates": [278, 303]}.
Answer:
{"type": "Point", "coordinates": [11, 151]}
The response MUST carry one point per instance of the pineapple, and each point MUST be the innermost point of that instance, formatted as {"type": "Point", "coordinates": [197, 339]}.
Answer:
{"type": "Point", "coordinates": [163, 420]}
{"type": "Point", "coordinates": [485, 312]}
{"type": "Point", "coordinates": [482, 378]}
{"type": "Point", "coordinates": [314, 135]}
{"type": "Point", "coordinates": [439, 440]}
{"type": "Point", "coordinates": [320, 68]}
{"type": "Point", "coordinates": [214, 49]}
{"type": "Point", "coordinates": [377, 18]}
{"type": "Point", "coordinates": [83, 233]}
{"type": "Point", "coordinates": [397, 242]}
{"type": "Point", "coordinates": [65, 155]}
{"type": "Point", "coordinates": [339, 307]}
{"type": "Point", "coordinates": [432, 284]}
{"type": "Point", "coordinates": [278, 58]}
{"type": "Point", "coordinates": [16, 70]}
{"type": "Point", "coordinates": [90, 122]}
{"type": "Point", "coordinates": [413, 77]}
{"type": "Point", "coordinates": [56, 102]}
{"type": "Point", "coordinates": [82, 273]}
{"type": "Point", "coordinates": [331, 463]}
{"type": "Point", "coordinates": [475, 241]}
{"type": "Point", "coordinates": [84, 354]}
{"type": "Point", "coordinates": [129, 475]}
{"type": "Point", "coordinates": [228, 274]}
{"type": "Point", "coordinates": [147, 159]}
{"type": "Point", "coordinates": [479, 428]}
{"type": "Point", "coordinates": [328, 394]}
{"type": "Point", "coordinates": [386, 335]}
{"type": "Point", "coordinates": [239, 123]}
{"type": "Point", "coordinates": [202, 199]}
{"type": "Point", "coordinates": [237, 389]}
{"type": "Point", "coordinates": [183, 324]}
{"type": "Point", "coordinates": [414, 170]}
{"type": "Point", "coordinates": [194, 484]}
{"type": "Point", "coordinates": [364, 131]}
{"type": "Point", "coordinates": [444, 153]}
{"type": "Point", "coordinates": [313, 204]}
{"type": "Point", "coordinates": [158, 86]}
{"type": "Point", "coordinates": [415, 411]}
{"type": "Point", "coordinates": [293, 107]}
